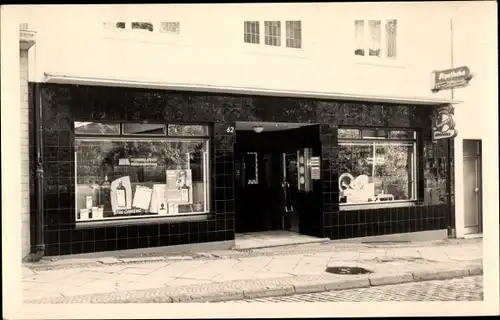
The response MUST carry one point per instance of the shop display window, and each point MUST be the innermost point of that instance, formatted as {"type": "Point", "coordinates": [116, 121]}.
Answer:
{"type": "Point", "coordinates": [377, 165]}
{"type": "Point", "coordinates": [136, 170]}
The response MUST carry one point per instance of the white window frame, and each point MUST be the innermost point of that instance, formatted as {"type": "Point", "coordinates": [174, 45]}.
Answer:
{"type": "Point", "coordinates": [383, 58]}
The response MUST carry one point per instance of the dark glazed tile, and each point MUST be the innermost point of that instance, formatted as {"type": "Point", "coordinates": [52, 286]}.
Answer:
{"type": "Point", "coordinates": [230, 235]}
{"type": "Point", "coordinates": [121, 244]}
{"type": "Point", "coordinates": [100, 234]}
{"type": "Point", "coordinates": [202, 237]}
{"type": "Point", "coordinates": [76, 247]}
{"type": "Point", "coordinates": [89, 246]}
{"type": "Point", "coordinates": [143, 242]}
{"type": "Point", "coordinates": [64, 248]}
{"type": "Point", "coordinates": [164, 240]}
{"type": "Point", "coordinates": [121, 232]}
{"type": "Point", "coordinates": [174, 240]}
{"type": "Point", "coordinates": [111, 233]}
{"type": "Point", "coordinates": [88, 235]}
{"type": "Point", "coordinates": [111, 245]}
{"type": "Point", "coordinates": [194, 238]}
{"type": "Point", "coordinates": [52, 250]}
{"type": "Point", "coordinates": [174, 229]}
{"type": "Point", "coordinates": [132, 232]}
{"type": "Point", "coordinates": [100, 246]}
{"type": "Point", "coordinates": [52, 237]}
{"type": "Point", "coordinates": [65, 236]}
{"type": "Point", "coordinates": [221, 224]}
{"type": "Point", "coordinates": [164, 229]}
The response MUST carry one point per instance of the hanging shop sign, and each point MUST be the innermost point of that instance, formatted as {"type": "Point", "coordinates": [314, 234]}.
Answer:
{"type": "Point", "coordinates": [443, 123]}
{"type": "Point", "coordinates": [450, 78]}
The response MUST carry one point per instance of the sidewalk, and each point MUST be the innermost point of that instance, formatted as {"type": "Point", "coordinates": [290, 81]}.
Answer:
{"type": "Point", "coordinates": [231, 274]}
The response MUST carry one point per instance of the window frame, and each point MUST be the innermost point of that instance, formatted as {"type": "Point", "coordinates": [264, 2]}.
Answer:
{"type": "Point", "coordinates": [283, 34]}
{"type": "Point", "coordinates": [413, 174]}
{"type": "Point", "coordinates": [207, 168]}
{"type": "Point", "coordinates": [383, 58]}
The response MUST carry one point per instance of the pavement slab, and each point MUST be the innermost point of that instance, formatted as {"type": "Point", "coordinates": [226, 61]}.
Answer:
{"type": "Point", "coordinates": [225, 277]}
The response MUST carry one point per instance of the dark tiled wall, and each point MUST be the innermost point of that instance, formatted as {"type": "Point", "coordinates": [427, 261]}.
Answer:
{"type": "Point", "coordinates": [62, 104]}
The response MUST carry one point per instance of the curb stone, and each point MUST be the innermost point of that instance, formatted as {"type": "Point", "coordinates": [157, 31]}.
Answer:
{"type": "Point", "coordinates": [269, 292]}
{"type": "Point", "coordinates": [382, 280]}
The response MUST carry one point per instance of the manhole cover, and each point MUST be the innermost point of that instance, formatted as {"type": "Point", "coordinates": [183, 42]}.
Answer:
{"type": "Point", "coordinates": [347, 270]}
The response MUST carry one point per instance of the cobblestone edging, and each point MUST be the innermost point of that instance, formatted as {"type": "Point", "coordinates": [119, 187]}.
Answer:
{"type": "Point", "coordinates": [230, 254]}
{"type": "Point", "coordinates": [243, 289]}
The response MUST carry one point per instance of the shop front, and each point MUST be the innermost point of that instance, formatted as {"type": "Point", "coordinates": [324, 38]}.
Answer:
{"type": "Point", "coordinates": [128, 168]}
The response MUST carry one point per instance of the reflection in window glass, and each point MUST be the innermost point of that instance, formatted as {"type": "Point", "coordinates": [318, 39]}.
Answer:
{"type": "Point", "coordinates": [376, 171]}
{"type": "Point", "coordinates": [252, 168]}
{"type": "Point", "coordinates": [398, 134]}
{"type": "Point", "coordinates": [96, 128]}
{"type": "Point", "coordinates": [373, 133]}
{"type": "Point", "coordinates": [144, 128]}
{"type": "Point", "coordinates": [187, 130]}
{"type": "Point", "coordinates": [124, 178]}
{"type": "Point", "coordinates": [348, 133]}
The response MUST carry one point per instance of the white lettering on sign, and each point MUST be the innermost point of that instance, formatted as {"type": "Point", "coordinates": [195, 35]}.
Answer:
{"type": "Point", "coordinates": [452, 74]}
{"type": "Point", "coordinates": [139, 162]}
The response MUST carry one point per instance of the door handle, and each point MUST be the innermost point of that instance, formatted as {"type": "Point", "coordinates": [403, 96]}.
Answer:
{"type": "Point", "coordinates": [476, 190]}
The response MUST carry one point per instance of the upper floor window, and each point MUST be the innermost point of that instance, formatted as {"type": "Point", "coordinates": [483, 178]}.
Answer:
{"type": "Point", "coordinates": [252, 32]}
{"type": "Point", "coordinates": [376, 38]}
{"type": "Point", "coordinates": [147, 26]}
{"type": "Point", "coordinates": [273, 33]}
{"type": "Point", "coordinates": [170, 27]}
{"type": "Point", "coordinates": [293, 34]}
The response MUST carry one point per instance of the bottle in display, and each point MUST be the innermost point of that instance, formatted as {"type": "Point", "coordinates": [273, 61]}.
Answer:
{"type": "Point", "coordinates": [185, 192]}
{"type": "Point", "coordinates": [106, 194]}
{"type": "Point", "coordinates": [121, 195]}
{"type": "Point", "coordinates": [96, 188]}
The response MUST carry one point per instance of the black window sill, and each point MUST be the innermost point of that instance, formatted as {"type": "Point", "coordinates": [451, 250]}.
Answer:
{"type": "Point", "coordinates": [143, 221]}
{"type": "Point", "coordinates": [379, 205]}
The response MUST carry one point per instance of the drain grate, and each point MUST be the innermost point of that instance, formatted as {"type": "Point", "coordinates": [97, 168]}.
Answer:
{"type": "Point", "coordinates": [347, 270]}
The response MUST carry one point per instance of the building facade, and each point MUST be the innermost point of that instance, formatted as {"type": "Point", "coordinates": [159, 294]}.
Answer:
{"type": "Point", "coordinates": [476, 151]}
{"type": "Point", "coordinates": [163, 131]}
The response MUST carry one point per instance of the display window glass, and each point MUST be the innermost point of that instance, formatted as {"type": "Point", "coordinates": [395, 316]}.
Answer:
{"type": "Point", "coordinates": [377, 166]}
{"type": "Point", "coordinates": [141, 172]}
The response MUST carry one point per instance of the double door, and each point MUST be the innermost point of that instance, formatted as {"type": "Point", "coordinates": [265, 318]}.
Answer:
{"type": "Point", "coordinates": [265, 191]}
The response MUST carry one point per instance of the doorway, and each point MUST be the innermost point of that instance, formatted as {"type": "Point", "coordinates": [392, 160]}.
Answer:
{"type": "Point", "coordinates": [472, 182]}
{"type": "Point", "coordinates": [268, 192]}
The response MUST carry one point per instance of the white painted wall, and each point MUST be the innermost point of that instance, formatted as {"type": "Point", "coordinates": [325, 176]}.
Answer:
{"type": "Point", "coordinates": [24, 143]}
{"type": "Point", "coordinates": [210, 49]}
{"type": "Point", "coordinates": [475, 45]}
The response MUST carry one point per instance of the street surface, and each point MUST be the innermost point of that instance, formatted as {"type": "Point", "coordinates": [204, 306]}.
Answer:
{"type": "Point", "coordinates": [460, 289]}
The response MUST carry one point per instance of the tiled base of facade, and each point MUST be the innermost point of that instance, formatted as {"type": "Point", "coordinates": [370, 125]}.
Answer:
{"type": "Point", "coordinates": [155, 251]}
